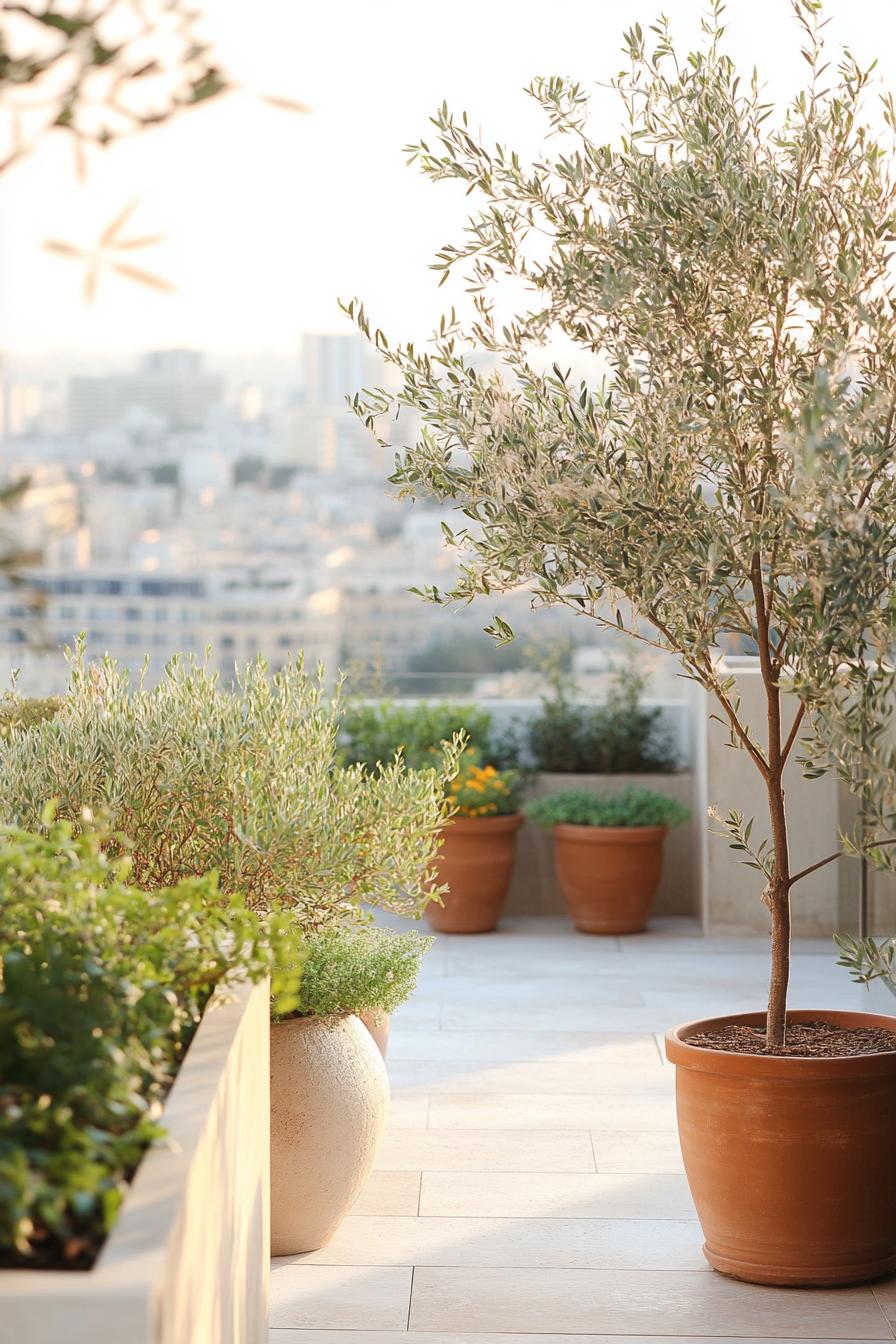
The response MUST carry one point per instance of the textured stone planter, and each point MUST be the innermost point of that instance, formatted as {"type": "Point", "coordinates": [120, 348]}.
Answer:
{"type": "Point", "coordinates": [329, 1101]}
{"type": "Point", "coordinates": [187, 1260]}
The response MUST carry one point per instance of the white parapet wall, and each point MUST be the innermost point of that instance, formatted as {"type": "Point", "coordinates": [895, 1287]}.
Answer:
{"type": "Point", "coordinates": [726, 778]}
{"type": "Point", "coordinates": [187, 1261]}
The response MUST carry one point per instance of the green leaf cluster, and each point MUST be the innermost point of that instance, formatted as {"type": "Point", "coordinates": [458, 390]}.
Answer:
{"type": "Point", "coordinates": [372, 734]}
{"type": "Point", "coordinates": [243, 782]}
{"type": "Point", "coordinates": [631, 806]}
{"type": "Point", "coordinates": [18, 712]}
{"type": "Point", "coordinates": [102, 985]}
{"type": "Point", "coordinates": [618, 737]}
{"type": "Point", "coordinates": [355, 970]}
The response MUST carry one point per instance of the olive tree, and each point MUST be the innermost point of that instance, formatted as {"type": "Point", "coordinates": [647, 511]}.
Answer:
{"type": "Point", "coordinates": [726, 474]}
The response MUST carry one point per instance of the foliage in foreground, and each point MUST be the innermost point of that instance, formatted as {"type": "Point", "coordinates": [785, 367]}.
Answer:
{"type": "Point", "coordinates": [244, 783]}
{"type": "Point", "coordinates": [729, 482]}
{"type": "Point", "coordinates": [18, 712]}
{"type": "Point", "coordinates": [631, 806]}
{"type": "Point", "coordinates": [356, 970]}
{"type": "Point", "coordinates": [101, 988]}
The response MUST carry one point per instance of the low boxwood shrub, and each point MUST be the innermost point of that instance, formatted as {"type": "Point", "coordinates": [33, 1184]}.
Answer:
{"type": "Point", "coordinates": [101, 988]}
{"type": "Point", "coordinates": [356, 970]}
{"type": "Point", "coordinates": [630, 806]}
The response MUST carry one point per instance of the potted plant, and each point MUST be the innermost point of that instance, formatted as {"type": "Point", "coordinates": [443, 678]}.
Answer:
{"type": "Point", "coordinates": [133, 1060]}
{"type": "Point", "coordinates": [328, 1114]}
{"type": "Point", "coordinates": [608, 853]}
{"type": "Point", "coordinates": [475, 862]}
{"type": "Point", "coordinates": [727, 486]}
{"type": "Point", "coordinates": [244, 783]}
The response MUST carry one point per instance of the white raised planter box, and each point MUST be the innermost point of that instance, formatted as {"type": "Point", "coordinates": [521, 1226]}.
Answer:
{"type": "Point", "coordinates": [187, 1260]}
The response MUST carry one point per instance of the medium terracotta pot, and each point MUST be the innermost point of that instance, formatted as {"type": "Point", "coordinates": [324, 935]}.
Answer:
{"type": "Point", "coordinates": [329, 1100]}
{"type": "Point", "coordinates": [476, 861]}
{"type": "Point", "coordinates": [791, 1161]}
{"type": "Point", "coordinates": [609, 875]}
{"type": "Point", "coordinates": [377, 1023]}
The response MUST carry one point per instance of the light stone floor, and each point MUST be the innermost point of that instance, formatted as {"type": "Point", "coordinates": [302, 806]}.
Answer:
{"type": "Point", "coordinates": [529, 1188]}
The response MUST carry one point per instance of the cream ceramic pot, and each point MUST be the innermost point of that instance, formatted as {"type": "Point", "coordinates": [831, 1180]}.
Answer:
{"type": "Point", "coordinates": [329, 1101]}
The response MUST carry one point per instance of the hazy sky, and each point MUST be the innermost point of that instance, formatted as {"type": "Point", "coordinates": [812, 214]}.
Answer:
{"type": "Point", "coordinates": [269, 216]}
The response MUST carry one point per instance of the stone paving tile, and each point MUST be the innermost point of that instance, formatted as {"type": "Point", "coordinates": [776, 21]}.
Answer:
{"type": "Point", "coordinates": [347, 1297]}
{"type": "Point", "coordinates": [532, 1076]}
{"type": "Point", "coordinates": [521, 1044]}
{"type": "Point", "coordinates": [635, 1302]}
{"type": "Point", "coordinates": [486, 1150]}
{"type": "Point", "coordinates": [441, 1337]}
{"type": "Point", "coordinates": [554, 1195]}
{"type": "Point", "coordinates": [396, 1193]}
{"type": "Point", "coordinates": [634, 1151]}
{"type": "Point", "coordinates": [562, 1243]}
{"type": "Point", "coordinates": [497, 1110]}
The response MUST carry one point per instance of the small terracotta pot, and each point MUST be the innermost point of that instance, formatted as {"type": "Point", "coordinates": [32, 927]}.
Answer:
{"type": "Point", "coordinates": [476, 862]}
{"type": "Point", "coordinates": [791, 1161]}
{"type": "Point", "coordinates": [609, 875]}
{"type": "Point", "coordinates": [329, 1101]}
{"type": "Point", "coordinates": [377, 1023]}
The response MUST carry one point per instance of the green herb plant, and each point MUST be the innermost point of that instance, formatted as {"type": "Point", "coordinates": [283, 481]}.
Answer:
{"type": "Point", "coordinates": [355, 970]}
{"type": "Point", "coordinates": [630, 806]}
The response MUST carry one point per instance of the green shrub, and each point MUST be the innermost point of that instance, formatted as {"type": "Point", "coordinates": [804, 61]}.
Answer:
{"type": "Point", "coordinates": [18, 712]}
{"type": "Point", "coordinates": [357, 970]}
{"type": "Point", "coordinates": [619, 737]}
{"type": "Point", "coordinates": [372, 734]}
{"type": "Point", "coordinates": [631, 806]}
{"type": "Point", "coordinates": [101, 988]}
{"type": "Point", "coordinates": [244, 783]}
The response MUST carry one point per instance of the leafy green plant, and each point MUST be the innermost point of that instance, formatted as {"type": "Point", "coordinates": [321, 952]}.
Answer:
{"type": "Point", "coordinates": [371, 735]}
{"type": "Point", "coordinates": [102, 985]}
{"type": "Point", "coordinates": [356, 970]}
{"type": "Point", "coordinates": [617, 737]}
{"type": "Point", "coordinates": [631, 806]}
{"type": "Point", "coordinates": [729, 482]}
{"type": "Point", "coordinates": [482, 791]}
{"type": "Point", "coordinates": [244, 783]}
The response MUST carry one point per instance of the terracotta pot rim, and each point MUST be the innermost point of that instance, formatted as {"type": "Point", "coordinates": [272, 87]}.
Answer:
{"type": "Point", "coordinates": [504, 821]}
{"type": "Point", "coordinates": [728, 1063]}
{"type": "Point", "coordinates": [609, 835]}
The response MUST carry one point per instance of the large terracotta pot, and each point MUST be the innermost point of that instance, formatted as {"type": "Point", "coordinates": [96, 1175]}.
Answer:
{"type": "Point", "coordinates": [476, 861]}
{"type": "Point", "coordinates": [378, 1023]}
{"type": "Point", "coordinates": [609, 875]}
{"type": "Point", "coordinates": [329, 1100]}
{"type": "Point", "coordinates": [791, 1161]}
